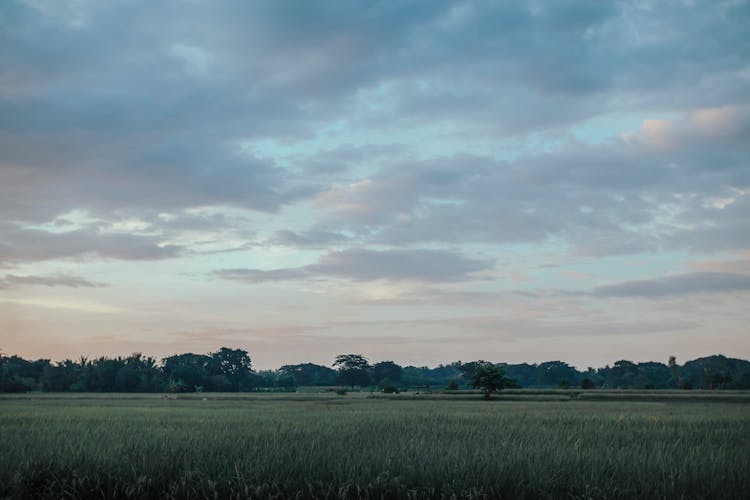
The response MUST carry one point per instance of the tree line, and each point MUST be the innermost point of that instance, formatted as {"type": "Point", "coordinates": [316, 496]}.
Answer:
{"type": "Point", "coordinates": [231, 370]}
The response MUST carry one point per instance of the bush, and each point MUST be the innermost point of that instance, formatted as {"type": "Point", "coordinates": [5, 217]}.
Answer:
{"type": "Point", "coordinates": [387, 386]}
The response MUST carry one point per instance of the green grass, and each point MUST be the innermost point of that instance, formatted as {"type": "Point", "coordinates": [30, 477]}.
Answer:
{"type": "Point", "coordinates": [322, 445]}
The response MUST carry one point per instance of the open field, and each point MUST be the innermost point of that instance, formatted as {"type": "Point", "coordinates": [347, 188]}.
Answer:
{"type": "Point", "coordinates": [323, 445]}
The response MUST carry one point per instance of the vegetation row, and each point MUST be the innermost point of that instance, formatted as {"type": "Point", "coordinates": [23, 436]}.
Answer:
{"type": "Point", "coordinates": [231, 370]}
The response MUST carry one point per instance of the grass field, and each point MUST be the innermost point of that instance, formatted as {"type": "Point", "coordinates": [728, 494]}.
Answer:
{"type": "Point", "coordinates": [354, 446]}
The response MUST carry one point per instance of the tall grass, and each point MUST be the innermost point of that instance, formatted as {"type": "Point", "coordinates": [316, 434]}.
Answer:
{"type": "Point", "coordinates": [350, 447]}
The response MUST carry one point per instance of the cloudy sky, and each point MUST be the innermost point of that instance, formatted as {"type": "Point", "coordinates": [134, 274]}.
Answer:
{"type": "Point", "coordinates": [416, 181]}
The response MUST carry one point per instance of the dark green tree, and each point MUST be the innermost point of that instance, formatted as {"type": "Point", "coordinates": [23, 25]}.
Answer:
{"type": "Point", "coordinates": [286, 382]}
{"type": "Point", "coordinates": [187, 372]}
{"type": "Point", "coordinates": [525, 373]}
{"type": "Point", "coordinates": [20, 374]}
{"type": "Point", "coordinates": [127, 380]}
{"type": "Point", "coordinates": [387, 369]}
{"type": "Point", "coordinates": [556, 373]}
{"type": "Point", "coordinates": [61, 376]}
{"type": "Point", "coordinates": [489, 378]}
{"type": "Point", "coordinates": [139, 373]}
{"type": "Point", "coordinates": [101, 374]}
{"type": "Point", "coordinates": [307, 374]}
{"type": "Point", "coordinates": [235, 365]}
{"type": "Point", "coordinates": [468, 369]}
{"type": "Point", "coordinates": [652, 375]}
{"type": "Point", "coordinates": [9, 381]}
{"type": "Point", "coordinates": [353, 369]}
{"type": "Point", "coordinates": [622, 374]}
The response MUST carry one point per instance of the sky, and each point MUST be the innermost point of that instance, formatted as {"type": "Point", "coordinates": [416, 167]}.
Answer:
{"type": "Point", "coordinates": [418, 181]}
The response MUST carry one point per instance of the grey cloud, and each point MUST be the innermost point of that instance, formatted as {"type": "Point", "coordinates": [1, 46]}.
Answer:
{"type": "Point", "coordinates": [315, 238]}
{"type": "Point", "coordinates": [29, 245]}
{"type": "Point", "coordinates": [103, 122]}
{"type": "Point", "coordinates": [680, 284]}
{"type": "Point", "coordinates": [260, 276]}
{"type": "Point", "coordinates": [116, 108]}
{"type": "Point", "coordinates": [522, 59]}
{"type": "Point", "coordinates": [14, 281]}
{"type": "Point", "coordinates": [359, 264]}
{"type": "Point", "coordinates": [330, 48]}
{"type": "Point", "coordinates": [146, 175]}
{"type": "Point", "coordinates": [703, 228]}
{"type": "Point", "coordinates": [421, 265]}
{"type": "Point", "coordinates": [189, 222]}
{"type": "Point", "coordinates": [616, 197]}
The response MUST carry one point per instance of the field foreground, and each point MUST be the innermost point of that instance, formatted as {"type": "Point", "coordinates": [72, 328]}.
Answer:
{"type": "Point", "coordinates": [326, 446]}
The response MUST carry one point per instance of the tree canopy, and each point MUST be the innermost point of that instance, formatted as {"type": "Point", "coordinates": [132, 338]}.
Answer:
{"type": "Point", "coordinates": [489, 378]}
{"type": "Point", "coordinates": [353, 369]}
{"type": "Point", "coordinates": [231, 370]}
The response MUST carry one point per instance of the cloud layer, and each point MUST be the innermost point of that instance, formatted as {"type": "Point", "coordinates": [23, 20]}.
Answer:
{"type": "Point", "coordinates": [348, 159]}
{"type": "Point", "coordinates": [359, 264]}
{"type": "Point", "coordinates": [681, 284]}
{"type": "Point", "coordinates": [14, 281]}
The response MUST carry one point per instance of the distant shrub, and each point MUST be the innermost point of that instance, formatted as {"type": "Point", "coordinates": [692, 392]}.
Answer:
{"type": "Point", "coordinates": [587, 384]}
{"type": "Point", "coordinates": [175, 386]}
{"type": "Point", "coordinates": [452, 386]}
{"type": "Point", "coordinates": [387, 386]}
{"type": "Point", "coordinates": [341, 392]}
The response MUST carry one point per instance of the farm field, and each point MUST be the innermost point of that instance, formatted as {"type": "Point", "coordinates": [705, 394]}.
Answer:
{"type": "Point", "coordinates": [533, 444]}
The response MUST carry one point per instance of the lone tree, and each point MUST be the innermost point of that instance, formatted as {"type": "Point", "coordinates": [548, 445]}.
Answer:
{"type": "Point", "coordinates": [489, 378]}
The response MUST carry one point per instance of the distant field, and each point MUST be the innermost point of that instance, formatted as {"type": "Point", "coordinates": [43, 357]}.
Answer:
{"type": "Point", "coordinates": [670, 445]}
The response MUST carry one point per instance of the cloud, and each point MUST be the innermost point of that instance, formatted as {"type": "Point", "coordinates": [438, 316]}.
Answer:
{"type": "Point", "coordinates": [136, 174]}
{"type": "Point", "coordinates": [680, 284]}
{"type": "Point", "coordinates": [14, 281]}
{"type": "Point", "coordinates": [360, 264]}
{"type": "Point", "coordinates": [118, 110]}
{"type": "Point", "coordinates": [517, 129]}
{"type": "Point", "coordinates": [739, 265]}
{"type": "Point", "coordinates": [20, 245]}
{"type": "Point", "coordinates": [111, 107]}
{"type": "Point", "coordinates": [723, 125]}
{"type": "Point", "coordinates": [260, 276]}
{"type": "Point", "coordinates": [315, 238]}
{"type": "Point", "coordinates": [616, 197]}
